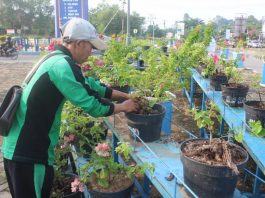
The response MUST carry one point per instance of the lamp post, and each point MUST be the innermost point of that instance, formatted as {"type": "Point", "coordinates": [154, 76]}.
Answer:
{"type": "Point", "coordinates": [128, 39]}
{"type": "Point", "coordinates": [152, 21]}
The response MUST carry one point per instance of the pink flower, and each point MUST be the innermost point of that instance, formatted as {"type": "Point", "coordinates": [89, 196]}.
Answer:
{"type": "Point", "coordinates": [103, 150]}
{"type": "Point", "coordinates": [76, 185]}
{"type": "Point", "coordinates": [86, 67]}
{"type": "Point", "coordinates": [99, 62]}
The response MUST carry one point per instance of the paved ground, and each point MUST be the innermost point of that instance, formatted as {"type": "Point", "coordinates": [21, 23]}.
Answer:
{"type": "Point", "coordinates": [14, 71]}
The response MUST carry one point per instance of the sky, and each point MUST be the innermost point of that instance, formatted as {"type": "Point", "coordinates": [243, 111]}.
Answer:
{"type": "Point", "coordinates": [168, 11]}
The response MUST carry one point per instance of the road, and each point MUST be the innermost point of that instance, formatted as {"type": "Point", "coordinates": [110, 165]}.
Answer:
{"type": "Point", "coordinates": [253, 63]}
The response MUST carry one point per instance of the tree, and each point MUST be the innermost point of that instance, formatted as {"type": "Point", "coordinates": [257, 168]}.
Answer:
{"type": "Point", "coordinates": [253, 27]}
{"type": "Point", "coordinates": [220, 26]}
{"type": "Point", "coordinates": [190, 23]}
{"type": "Point", "coordinates": [158, 33]}
{"type": "Point", "coordinates": [31, 16]}
{"type": "Point", "coordinates": [112, 14]}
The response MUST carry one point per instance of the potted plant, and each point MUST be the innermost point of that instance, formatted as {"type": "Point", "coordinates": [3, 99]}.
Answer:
{"type": "Point", "coordinates": [211, 167]}
{"type": "Point", "coordinates": [65, 184]}
{"type": "Point", "coordinates": [148, 119]}
{"type": "Point", "coordinates": [220, 75]}
{"type": "Point", "coordinates": [151, 94]}
{"type": "Point", "coordinates": [106, 178]}
{"type": "Point", "coordinates": [118, 73]}
{"type": "Point", "coordinates": [207, 66]}
{"type": "Point", "coordinates": [234, 93]}
{"type": "Point", "coordinates": [81, 130]}
{"type": "Point", "coordinates": [255, 109]}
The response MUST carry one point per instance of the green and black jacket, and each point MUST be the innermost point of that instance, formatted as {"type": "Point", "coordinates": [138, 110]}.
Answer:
{"type": "Point", "coordinates": [35, 130]}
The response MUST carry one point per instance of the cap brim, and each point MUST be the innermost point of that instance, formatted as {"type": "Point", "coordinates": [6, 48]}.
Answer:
{"type": "Point", "coordinates": [98, 44]}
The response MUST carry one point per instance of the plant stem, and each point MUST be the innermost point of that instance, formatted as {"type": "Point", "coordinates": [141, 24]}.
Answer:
{"type": "Point", "coordinates": [211, 137]}
{"type": "Point", "coordinates": [259, 96]}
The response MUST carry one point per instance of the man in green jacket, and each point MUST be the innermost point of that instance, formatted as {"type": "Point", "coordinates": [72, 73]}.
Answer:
{"type": "Point", "coordinates": [28, 149]}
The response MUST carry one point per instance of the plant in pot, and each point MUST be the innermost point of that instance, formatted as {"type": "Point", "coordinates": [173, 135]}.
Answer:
{"type": "Point", "coordinates": [106, 178]}
{"type": "Point", "coordinates": [207, 66]}
{"type": "Point", "coordinates": [65, 185]}
{"type": "Point", "coordinates": [255, 109]}
{"type": "Point", "coordinates": [85, 130]}
{"type": "Point", "coordinates": [234, 93]}
{"type": "Point", "coordinates": [150, 93]}
{"type": "Point", "coordinates": [220, 75]}
{"type": "Point", "coordinates": [211, 167]}
{"type": "Point", "coordinates": [148, 119]}
{"type": "Point", "coordinates": [118, 73]}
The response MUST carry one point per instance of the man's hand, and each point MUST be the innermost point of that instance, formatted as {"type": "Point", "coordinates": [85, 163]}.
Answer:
{"type": "Point", "coordinates": [130, 106]}
{"type": "Point", "coordinates": [127, 106]}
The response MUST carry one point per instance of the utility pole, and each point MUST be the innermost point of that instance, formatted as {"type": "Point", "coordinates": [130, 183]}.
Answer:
{"type": "Point", "coordinates": [152, 21]}
{"type": "Point", "coordinates": [122, 21]}
{"type": "Point", "coordinates": [128, 39]}
{"type": "Point", "coordinates": [153, 32]}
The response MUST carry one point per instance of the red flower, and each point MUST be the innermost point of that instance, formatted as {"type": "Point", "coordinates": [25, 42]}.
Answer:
{"type": "Point", "coordinates": [99, 62]}
{"type": "Point", "coordinates": [86, 67]}
{"type": "Point", "coordinates": [215, 58]}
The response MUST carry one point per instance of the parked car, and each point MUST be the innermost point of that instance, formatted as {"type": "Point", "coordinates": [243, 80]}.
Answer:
{"type": "Point", "coordinates": [254, 44]}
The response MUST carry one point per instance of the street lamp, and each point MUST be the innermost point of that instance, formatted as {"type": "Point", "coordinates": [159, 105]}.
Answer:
{"type": "Point", "coordinates": [128, 39]}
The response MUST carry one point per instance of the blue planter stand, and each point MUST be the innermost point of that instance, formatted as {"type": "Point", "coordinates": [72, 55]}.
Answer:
{"type": "Point", "coordinates": [166, 123]}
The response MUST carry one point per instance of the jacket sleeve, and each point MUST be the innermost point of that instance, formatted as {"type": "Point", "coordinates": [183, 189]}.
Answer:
{"type": "Point", "coordinates": [69, 80]}
{"type": "Point", "coordinates": [102, 89]}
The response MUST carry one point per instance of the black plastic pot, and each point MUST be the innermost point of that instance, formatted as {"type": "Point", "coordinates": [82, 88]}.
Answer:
{"type": "Point", "coordinates": [210, 181]}
{"type": "Point", "coordinates": [126, 193]}
{"type": "Point", "coordinates": [253, 111]}
{"type": "Point", "coordinates": [149, 126]}
{"type": "Point", "coordinates": [217, 80]}
{"type": "Point", "coordinates": [146, 47]}
{"type": "Point", "coordinates": [74, 195]}
{"type": "Point", "coordinates": [234, 96]}
{"type": "Point", "coordinates": [164, 49]}
{"type": "Point", "coordinates": [125, 88]}
{"type": "Point", "coordinates": [140, 63]}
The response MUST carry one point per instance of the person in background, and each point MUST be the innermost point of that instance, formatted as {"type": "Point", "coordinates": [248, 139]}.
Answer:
{"type": "Point", "coordinates": [28, 150]}
{"type": "Point", "coordinates": [7, 45]}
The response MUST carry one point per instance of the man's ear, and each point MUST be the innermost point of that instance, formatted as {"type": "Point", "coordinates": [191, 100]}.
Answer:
{"type": "Point", "coordinates": [77, 43]}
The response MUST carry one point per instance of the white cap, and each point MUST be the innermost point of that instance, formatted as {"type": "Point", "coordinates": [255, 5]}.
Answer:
{"type": "Point", "coordinates": [81, 29]}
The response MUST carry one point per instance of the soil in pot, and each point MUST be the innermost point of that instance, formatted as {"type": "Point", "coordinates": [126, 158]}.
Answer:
{"type": "Point", "coordinates": [120, 186]}
{"type": "Point", "coordinates": [211, 170]}
{"type": "Point", "coordinates": [255, 110]}
{"type": "Point", "coordinates": [217, 80]}
{"type": "Point", "coordinates": [234, 94]}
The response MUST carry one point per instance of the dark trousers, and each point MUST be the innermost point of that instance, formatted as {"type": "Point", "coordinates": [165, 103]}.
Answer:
{"type": "Point", "coordinates": [27, 180]}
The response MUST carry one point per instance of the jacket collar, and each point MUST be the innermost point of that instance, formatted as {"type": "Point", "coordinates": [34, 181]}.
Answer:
{"type": "Point", "coordinates": [64, 50]}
